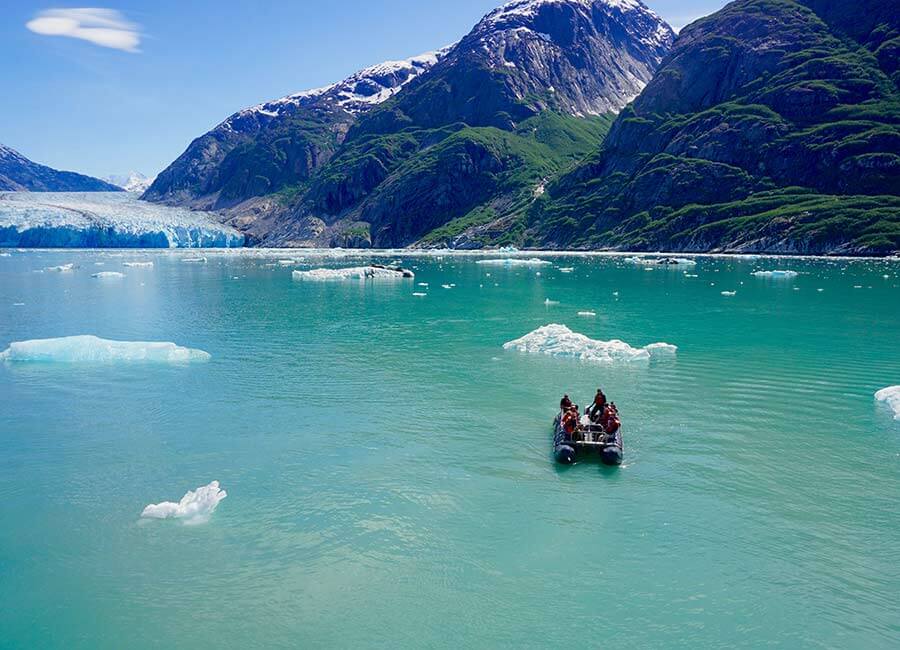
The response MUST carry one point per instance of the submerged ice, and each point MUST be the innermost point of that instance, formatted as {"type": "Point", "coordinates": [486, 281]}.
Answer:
{"type": "Point", "coordinates": [891, 397]}
{"type": "Point", "coordinates": [105, 220]}
{"type": "Point", "coordinates": [91, 349]}
{"type": "Point", "coordinates": [559, 341]}
{"type": "Point", "coordinates": [195, 507]}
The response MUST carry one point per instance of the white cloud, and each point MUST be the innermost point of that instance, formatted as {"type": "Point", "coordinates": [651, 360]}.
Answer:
{"type": "Point", "coordinates": [103, 27]}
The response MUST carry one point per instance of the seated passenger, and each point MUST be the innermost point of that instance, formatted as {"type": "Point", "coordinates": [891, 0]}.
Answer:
{"type": "Point", "coordinates": [565, 403]}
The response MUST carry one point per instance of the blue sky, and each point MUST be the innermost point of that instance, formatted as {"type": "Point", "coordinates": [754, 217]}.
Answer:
{"type": "Point", "coordinates": [153, 76]}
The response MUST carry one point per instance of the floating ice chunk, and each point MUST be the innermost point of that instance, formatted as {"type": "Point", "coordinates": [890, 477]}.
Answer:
{"type": "Point", "coordinates": [5, 255]}
{"type": "Point", "coordinates": [729, 294]}
{"type": "Point", "coordinates": [776, 274]}
{"type": "Point", "coordinates": [195, 507]}
{"type": "Point", "coordinates": [446, 286]}
{"type": "Point", "coordinates": [62, 268]}
{"type": "Point", "coordinates": [91, 349]}
{"type": "Point", "coordinates": [419, 294]}
{"type": "Point", "coordinates": [566, 269]}
{"type": "Point", "coordinates": [891, 397]}
{"type": "Point", "coordinates": [355, 273]}
{"type": "Point", "coordinates": [138, 265]}
{"type": "Point", "coordinates": [423, 284]}
{"type": "Point", "coordinates": [514, 261]}
{"type": "Point", "coordinates": [559, 341]}
{"type": "Point", "coordinates": [107, 275]}
{"type": "Point", "coordinates": [551, 303]}
{"type": "Point", "coordinates": [587, 314]}
{"type": "Point", "coordinates": [194, 260]}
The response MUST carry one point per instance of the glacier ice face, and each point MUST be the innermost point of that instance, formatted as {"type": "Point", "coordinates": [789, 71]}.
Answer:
{"type": "Point", "coordinates": [559, 341]}
{"type": "Point", "coordinates": [195, 507]}
{"type": "Point", "coordinates": [352, 273]}
{"type": "Point", "coordinates": [91, 349]}
{"type": "Point", "coordinates": [514, 261]}
{"type": "Point", "coordinates": [105, 220]}
{"type": "Point", "coordinates": [891, 397]}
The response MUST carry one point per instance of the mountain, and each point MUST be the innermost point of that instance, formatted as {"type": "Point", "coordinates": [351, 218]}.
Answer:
{"type": "Point", "coordinates": [455, 153]}
{"type": "Point", "coordinates": [261, 149]}
{"type": "Point", "coordinates": [774, 125]}
{"type": "Point", "coordinates": [18, 174]}
{"type": "Point", "coordinates": [132, 182]}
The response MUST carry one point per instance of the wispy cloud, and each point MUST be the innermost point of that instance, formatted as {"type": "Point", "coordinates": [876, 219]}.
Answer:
{"type": "Point", "coordinates": [103, 27]}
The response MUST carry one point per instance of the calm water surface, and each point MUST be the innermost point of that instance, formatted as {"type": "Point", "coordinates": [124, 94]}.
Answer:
{"type": "Point", "coordinates": [388, 463]}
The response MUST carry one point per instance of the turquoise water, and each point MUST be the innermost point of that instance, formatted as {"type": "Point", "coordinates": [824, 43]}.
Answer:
{"type": "Point", "coordinates": [388, 464]}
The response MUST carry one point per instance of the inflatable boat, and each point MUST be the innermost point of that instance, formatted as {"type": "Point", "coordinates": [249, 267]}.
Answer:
{"type": "Point", "coordinates": [589, 440]}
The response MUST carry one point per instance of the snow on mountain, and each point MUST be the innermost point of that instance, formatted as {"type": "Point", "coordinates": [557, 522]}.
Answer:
{"type": "Point", "coordinates": [132, 182]}
{"type": "Point", "coordinates": [355, 94]}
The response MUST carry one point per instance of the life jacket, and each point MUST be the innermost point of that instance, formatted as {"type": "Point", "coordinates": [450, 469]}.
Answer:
{"type": "Point", "coordinates": [613, 425]}
{"type": "Point", "coordinates": [570, 422]}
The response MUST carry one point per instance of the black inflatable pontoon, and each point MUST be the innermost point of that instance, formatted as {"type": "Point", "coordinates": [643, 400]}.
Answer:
{"type": "Point", "coordinates": [588, 440]}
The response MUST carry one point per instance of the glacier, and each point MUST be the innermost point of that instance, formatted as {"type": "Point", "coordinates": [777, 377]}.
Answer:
{"type": "Point", "coordinates": [559, 341]}
{"type": "Point", "coordinates": [891, 397]}
{"type": "Point", "coordinates": [195, 507]}
{"type": "Point", "coordinates": [92, 349]}
{"type": "Point", "coordinates": [105, 220]}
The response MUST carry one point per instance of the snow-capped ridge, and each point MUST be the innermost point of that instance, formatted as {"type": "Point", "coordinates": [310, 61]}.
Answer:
{"type": "Point", "coordinates": [355, 94]}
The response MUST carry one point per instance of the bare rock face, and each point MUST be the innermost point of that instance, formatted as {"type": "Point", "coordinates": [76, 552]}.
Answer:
{"type": "Point", "coordinates": [19, 174]}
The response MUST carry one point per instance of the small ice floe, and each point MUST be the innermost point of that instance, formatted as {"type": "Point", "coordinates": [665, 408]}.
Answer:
{"type": "Point", "coordinates": [419, 294]}
{"type": "Point", "coordinates": [616, 294]}
{"type": "Point", "coordinates": [776, 274]}
{"type": "Point", "coordinates": [820, 290]}
{"type": "Point", "coordinates": [891, 397]}
{"type": "Point", "coordinates": [559, 341]}
{"type": "Point", "coordinates": [91, 349]}
{"type": "Point", "coordinates": [354, 273]}
{"type": "Point", "coordinates": [446, 286]}
{"type": "Point", "coordinates": [729, 293]}
{"type": "Point", "coordinates": [5, 254]}
{"type": "Point", "coordinates": [551, 303]}
{"type": "Point", "coordinates": [138, 265]}
{"type": "Point", "coordinates": [287, 262]}
{"type": "Point", "coordinates": [18, 304]}
{"type": "Point", "coordinates": [567, 269]}
{"type": "Point", "coordinates": [108, 275]}
{"type": "Point", "coordinates": [587, 314]}
{"type": "Point", "coordinates": [195, 507]}
{"type": "Point", "coordinates": [62, 268]}
{"type": "Point", "coordinates": [423, 284]}
{"type": "Point", "coordinates": [691, 275]}
{"type": "Point", "coordinates": [194, 260]}
{"type": "Point", "coordinates": [99, 263]}
{"type": "Point", "coordinates": [858, 286]}
{"type": "Point", "coordinates": [514, 261]}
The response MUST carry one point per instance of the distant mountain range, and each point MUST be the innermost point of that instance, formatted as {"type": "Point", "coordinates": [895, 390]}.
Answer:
{"type": "Point", "coordinates": [769, 126]}
{"type": "Point", "coordinates": [450, 147]}
{"type": "Point", "coordinates": [18, 174]}
{"type": "Point", "coordinates": [131, 182]}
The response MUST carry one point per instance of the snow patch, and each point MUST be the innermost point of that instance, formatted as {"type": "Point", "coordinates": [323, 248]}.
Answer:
{"type": "Point", "coordinates": [195, 507]}
{"type": "Point", "coordinates": [559, 341]}
{"type": "Point", "coordinates": [92, 349]}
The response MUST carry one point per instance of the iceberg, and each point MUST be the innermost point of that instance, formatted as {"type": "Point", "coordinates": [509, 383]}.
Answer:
{"type": "Point", "coordinates": [513, 261]}
{"type": "Point", "coordinates": [105, 220]}
{"type": "Point", "coordinates": [559, 341]}
{"type": "Point", "coordinates": [353, 273]}
{"type": "Point", "coordinates": [776, 274]}
{"type": "Point", "coordinates": [62, 268]}
{"type": "Point", "coordinates": [91, 349]}
{"type": "Point", "coordinates": [195, 507]}
{"type": "Point", "coordinates": [891, 397]}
